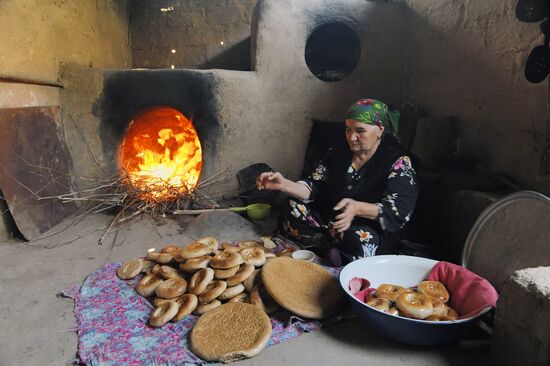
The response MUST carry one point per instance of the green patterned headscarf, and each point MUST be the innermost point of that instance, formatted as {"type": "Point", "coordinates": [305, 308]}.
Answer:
{"type": "Point", "coordinates": [373, 112]}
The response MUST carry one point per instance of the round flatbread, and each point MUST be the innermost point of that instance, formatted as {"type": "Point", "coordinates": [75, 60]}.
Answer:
{"type": "Point", "coordinates": [302, 287]}
{"type": "Point", "coordinates": [230, 332]}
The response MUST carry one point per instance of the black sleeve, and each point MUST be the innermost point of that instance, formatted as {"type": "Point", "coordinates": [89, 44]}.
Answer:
{"type": "Point", "coordinates": [318, 177]}
{"type": "Point", "coordinates": [400, 196]}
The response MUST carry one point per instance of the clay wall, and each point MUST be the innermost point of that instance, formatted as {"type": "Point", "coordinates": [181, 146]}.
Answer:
{"type": "Point", "coordinates": [466, 58]}
{"type": "Point", "coordinates": [461, 58]}
{"type": "Point", "coordinates": [39, 39]}
{"type": "Point", "coordinates": [194, 34]}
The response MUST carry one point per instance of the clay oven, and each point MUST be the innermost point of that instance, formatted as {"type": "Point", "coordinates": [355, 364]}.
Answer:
{"type": "Point", "coordinates": [310, 59]}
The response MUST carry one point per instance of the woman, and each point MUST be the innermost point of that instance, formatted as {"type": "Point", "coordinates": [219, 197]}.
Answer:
{"type": "Point", "coordinates": [359, 197]}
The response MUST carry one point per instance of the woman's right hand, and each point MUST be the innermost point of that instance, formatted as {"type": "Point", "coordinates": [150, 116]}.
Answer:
{"type": "Point", "coordinates": [270, 180]}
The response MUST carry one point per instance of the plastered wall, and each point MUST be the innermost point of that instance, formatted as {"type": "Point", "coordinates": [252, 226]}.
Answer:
{"type": "Point", "coordinates": [462, 57]}
{"type": "Point", "coordinates": [283, 97]}
{"type": "Point", "coordinates": [38, 36]}
{"type": "Point", "coordinates": [265, 115]}
{"type": "Point", "coordinates": [466, 58]}
{"type": "Point", "coordinates": [459, 57]}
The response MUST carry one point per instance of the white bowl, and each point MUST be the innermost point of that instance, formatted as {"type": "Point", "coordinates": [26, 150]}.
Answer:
{"type": "Point", "coordinates": [305, 255]}
{"type": "Point", "coordinates": [404, 271]}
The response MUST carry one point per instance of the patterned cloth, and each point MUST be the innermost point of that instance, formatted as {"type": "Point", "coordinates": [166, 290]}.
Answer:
{"type": "Point", "coordinates": [398, 198]}
{"type": "Point", "coordinates": [388, 180]}
{"type": "Point", "coordinates": [304, 225]}
{"type": "Point", "coordinates": [112, 324]}
{"type": "Point", "coordinates": [374, 112]}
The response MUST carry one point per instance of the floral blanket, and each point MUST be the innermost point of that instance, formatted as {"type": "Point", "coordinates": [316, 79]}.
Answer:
{"type": "Point", "coordinates": [112, 324]}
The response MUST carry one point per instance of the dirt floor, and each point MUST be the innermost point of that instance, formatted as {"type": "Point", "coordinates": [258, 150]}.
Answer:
{"type": "Point", "coordinates": [36, 325]}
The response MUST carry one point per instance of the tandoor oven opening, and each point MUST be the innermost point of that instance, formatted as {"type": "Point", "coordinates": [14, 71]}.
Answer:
{"type": "Point", "coordinates": [160, 156]}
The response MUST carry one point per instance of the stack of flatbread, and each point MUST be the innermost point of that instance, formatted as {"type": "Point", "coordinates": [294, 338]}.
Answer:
{"type": "Point", "coordinates": [254, 282]}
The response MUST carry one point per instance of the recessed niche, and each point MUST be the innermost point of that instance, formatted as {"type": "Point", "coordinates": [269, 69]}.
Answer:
{"type": "Point", "coordinates": [332, 51]}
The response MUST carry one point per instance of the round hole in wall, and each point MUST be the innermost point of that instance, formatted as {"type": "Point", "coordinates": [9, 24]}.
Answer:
{"type": "Point", "coordinates": [332, 51]}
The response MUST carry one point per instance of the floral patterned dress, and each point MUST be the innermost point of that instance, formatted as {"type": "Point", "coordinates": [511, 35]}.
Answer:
{"type": "Point", "coordinates": [387, 180]}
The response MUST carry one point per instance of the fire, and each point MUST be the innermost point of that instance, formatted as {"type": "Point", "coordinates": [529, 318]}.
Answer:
{"type": "Point", "coordinates": [161, 154]}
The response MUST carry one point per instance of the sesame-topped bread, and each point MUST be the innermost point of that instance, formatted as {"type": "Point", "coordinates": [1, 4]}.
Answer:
{"type": "Point", "coordinates": [230, 332]}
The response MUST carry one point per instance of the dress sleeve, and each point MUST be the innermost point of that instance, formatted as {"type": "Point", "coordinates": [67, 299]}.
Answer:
{"type": "Point", "coordinates": [317, 179]}
{"type": "Point", "coordinates": [400, 196]}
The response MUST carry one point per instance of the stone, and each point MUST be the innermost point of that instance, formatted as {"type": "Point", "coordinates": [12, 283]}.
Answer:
{"type": "Point", "coordinates": [521, 332]}
{"type": "Point", "coordinates": [222, 225]}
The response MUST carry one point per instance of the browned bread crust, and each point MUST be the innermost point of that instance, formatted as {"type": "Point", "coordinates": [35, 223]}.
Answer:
{"type": "Point", "coordinates": [302, 287]}
{"type": "Point", "coordinates": [230, 332]}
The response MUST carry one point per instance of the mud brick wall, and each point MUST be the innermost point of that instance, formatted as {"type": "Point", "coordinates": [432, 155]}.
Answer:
{"type": "Point", "coordinates": [203, 33]}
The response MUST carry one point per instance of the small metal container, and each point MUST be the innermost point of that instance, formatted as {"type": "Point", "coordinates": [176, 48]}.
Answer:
{"type": "Point", "coordinates": [303, 254]}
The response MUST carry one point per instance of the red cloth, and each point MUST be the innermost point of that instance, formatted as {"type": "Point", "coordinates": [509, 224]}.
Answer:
{"type": "Point", "coordinates": [469, 292]}
{"type": "Point", "coordinates": [360, 288]}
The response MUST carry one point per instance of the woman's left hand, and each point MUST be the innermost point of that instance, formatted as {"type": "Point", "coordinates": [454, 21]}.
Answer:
{"type": "Point", "coordinates": [350, 209]}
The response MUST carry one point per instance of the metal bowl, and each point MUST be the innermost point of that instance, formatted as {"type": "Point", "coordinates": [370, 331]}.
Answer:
{"type": "Point", "coordinates": [405, 271]}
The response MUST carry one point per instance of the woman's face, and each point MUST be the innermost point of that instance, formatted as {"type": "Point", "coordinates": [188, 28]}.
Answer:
{"type": "Point", "coordinates": [361, 136]}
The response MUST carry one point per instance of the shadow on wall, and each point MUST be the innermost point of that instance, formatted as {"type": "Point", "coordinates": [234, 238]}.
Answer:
{"type": "Point", "coordinates": [236, 57]}
{"type": "Point", "coordinates": [468, 62]}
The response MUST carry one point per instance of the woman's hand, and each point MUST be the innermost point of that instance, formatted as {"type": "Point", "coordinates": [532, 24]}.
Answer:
{"type": "Point", "coordinates": [275, 181]}
{"type": "Point", "coordinates": [350, 208]}
{"type": "Point", "coordinates": [270, 180]}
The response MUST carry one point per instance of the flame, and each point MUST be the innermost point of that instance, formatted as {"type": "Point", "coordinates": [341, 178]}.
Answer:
{"type": "Point", "coordinates": [161, 155]}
